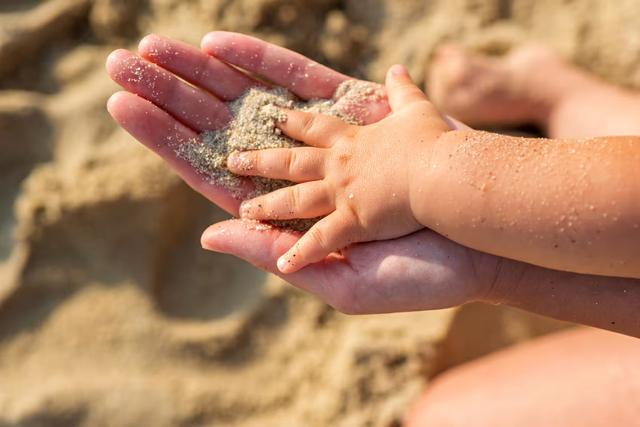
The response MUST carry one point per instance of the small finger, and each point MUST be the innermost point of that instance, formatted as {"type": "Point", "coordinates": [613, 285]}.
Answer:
{"type": "Point", "coordinates": [313, 129]}
{"type": "Point", "coordinates": [401, 89]}
{"type": "Point", "coordinates": [328, 235]}
{"type": "Point", "coordinates": [302, 76]}
{"type": "Point", "coordinates": [194, 107]}
{"type": "Point", "coordinates": [293, 164]}
{"type": "Point", "coordinates": [308, 200]}
{"type": "Point", "coordinates": [195, 66]}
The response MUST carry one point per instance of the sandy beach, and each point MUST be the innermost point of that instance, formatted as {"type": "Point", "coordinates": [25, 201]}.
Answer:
{"type": "Point", "coordinates": [110, 312]}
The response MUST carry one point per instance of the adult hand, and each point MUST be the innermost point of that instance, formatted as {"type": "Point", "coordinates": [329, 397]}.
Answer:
{"type": "Point", "coordinates": [174, 92]}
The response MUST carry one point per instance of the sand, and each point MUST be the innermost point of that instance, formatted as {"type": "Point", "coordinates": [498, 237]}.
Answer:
{"type": "Point", "coordinates": [111, 314]}
{"type": "Point", "coordinates": [253, 126]}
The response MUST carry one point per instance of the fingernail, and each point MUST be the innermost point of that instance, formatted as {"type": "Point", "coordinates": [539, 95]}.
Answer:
{"type": "Point", "coordinates": [283, 263]}
{"type": "Point", "coordinates": [205, 242]}
{"type": "Point", "coordinates": [399, 70]}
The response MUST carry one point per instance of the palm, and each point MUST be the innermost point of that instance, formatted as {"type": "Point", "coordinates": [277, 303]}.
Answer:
{"type": "Point", "coordinates": [161, 110]}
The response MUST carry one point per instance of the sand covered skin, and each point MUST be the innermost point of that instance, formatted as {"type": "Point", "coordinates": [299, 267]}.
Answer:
{"type": "Point", "coordinates": [110, 312]}
{"type": "Point", "coordinates": [255, 116]}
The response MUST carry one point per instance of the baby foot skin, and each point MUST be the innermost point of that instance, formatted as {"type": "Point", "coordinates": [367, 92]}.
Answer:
{"type": "Point", "coordinates": [483, 91]}
{"type": "Point", "coordinates": [358, 177]}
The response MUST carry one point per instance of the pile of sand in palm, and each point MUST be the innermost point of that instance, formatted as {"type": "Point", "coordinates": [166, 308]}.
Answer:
{"type": "Point", "coordinates": [253, 127]}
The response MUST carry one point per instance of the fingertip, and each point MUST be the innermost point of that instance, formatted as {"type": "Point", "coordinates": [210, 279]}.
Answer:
{"type": "Point", "coordinates": [116, 102]}
{"type": "Point", "coordinates": [398, 75]}
{"type": "Point", "coordinates": [285, 118]}
{"type": "Point", "coordinates": [239, 162]}
{"type": "Point", "coordinates": [213, 41]}
{"type": "Point", "coordinates": [245, 209]}
{"type": "Point", "coordinates": [401, 88]}
{"type": "Point", "coordinates": [206, 40]}
{"type": "Point", "coordinates": [210, 239]}
{"type": "Point", "coordinates": [114, 60]}
{"type": "Point", "coordinates": [283, 264]}
{"type": "Point", "coordinates": [399, 70]}
{"type": "Point", "coordinates": [112, 101]}
{"type": "Point", "coordinates": [206, 240]}
{"type": "Point", "coordinates": [286, 264]}
{"type": "Point", "coordinates": [148, 45]}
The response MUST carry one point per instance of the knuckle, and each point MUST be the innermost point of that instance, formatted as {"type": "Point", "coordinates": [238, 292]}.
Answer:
{"type": "Point", "coordinates": [293, 198]}
{"type": "Point", "coordinates": [343, 159]}
{"type": "Point", "coordinates": [344, 181]}
{"type": "Point", "coordinates": [318, 236]}
{"type": "Point", "coordinates": [291, 162]}
{"type": "Point", "coordinates": [308, 125]}
{"type": "Point", "coordinates": [343, 151]}
{"type": "Point", "coordinates": [354, 218]}
{"type": "Point", "coordinates": [351, 133]}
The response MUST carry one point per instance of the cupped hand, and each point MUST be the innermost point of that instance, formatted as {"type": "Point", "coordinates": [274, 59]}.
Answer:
{"type": "Point", "coordinates": [174, 92]}
{"type": "Point", "coordinates": [421, 271]}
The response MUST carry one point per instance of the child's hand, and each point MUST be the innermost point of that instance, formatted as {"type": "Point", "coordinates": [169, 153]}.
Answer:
{"type": "Point", "coordinates": [359, 177]}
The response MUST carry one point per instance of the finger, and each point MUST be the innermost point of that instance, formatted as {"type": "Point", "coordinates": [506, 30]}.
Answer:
{"type": "Point", "coordinates": [328, 235]}
{"type": "Point", "coordinates": [313, 129]}
{"type": "Point", "coordinates": [262, 246]}
{"type": "Point", "coordinates": [286, 68]}
{"type": "Point", "coordinates": [401, 89]}
{"type": "Point", "coordinates": [194, 107]}
{"type": "Point", "coordinates": [160, 132]}
{"type": "Point", "coordinates": [455, 124]}
{"type": "Point", "coordinates": [293, 164]}
{"type": "Point", "coordinates": [308, 200]}
{"type": "Point", "coordinates": [367, 109]}
{"type": "Point", "coordinates": [195, 66]}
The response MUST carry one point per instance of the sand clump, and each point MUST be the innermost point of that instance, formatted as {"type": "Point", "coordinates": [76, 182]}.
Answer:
{"type": "Point", "coordinates": [253, 126]}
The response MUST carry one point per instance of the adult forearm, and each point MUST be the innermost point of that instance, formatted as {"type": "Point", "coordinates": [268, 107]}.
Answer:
{"type": "Point", "coordinates": [602, 302]}
{"type": "Point", "coordinates": [562, 204]}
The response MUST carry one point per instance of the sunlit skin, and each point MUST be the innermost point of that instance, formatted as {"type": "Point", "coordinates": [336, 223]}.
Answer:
{"type": "Point", "coordinates": [593, 374]}
{"type": "Point", "coordinates": [417, 272]}
{"type": "Point", "coordinates": [420, 271]}
{"type": "Point", "coordinates": [571, 205]}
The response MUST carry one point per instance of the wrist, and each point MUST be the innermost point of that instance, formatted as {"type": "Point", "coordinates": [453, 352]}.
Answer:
{"type": "Point", "coordinates": [499, 278]}
{"type": "Point", "coordinates": [430, 177]}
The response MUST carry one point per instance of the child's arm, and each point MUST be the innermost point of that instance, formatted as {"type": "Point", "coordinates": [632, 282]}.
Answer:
{"type": "Point", "coordinates": [569, 205]}
{"type": "Point", "coordinates": [564, 204]}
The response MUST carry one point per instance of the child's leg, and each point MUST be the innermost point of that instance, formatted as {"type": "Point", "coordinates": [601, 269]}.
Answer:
{"type": "Point", "coordinates": [582, 377]}
{"type": "Point", "coordinates": [531, 85]}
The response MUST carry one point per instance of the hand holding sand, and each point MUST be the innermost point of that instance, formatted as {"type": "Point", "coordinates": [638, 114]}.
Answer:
{"type": "Point", "coordinates": [417, 272]}
{"type": "Point", "coordinates": [160, 109]}
{"type": "Point", "coordinates": [175, 93]}
{"type": "Point", "coordinates": [358, 178]}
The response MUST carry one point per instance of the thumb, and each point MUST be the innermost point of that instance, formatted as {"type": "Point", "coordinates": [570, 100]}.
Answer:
{"type": "Point", "coordinates": [401, 89]}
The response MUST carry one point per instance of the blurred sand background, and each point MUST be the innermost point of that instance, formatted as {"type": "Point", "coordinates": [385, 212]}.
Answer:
{"type": "Point", "coordinates": [112, 315]}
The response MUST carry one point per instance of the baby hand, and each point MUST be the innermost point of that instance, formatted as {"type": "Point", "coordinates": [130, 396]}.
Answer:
{"type": "Point", "coordinates": [358, 178]}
